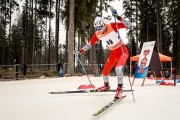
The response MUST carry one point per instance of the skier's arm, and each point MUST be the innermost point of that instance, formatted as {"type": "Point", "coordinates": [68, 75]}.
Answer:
{"type": "Point", "coordinates": [123, 23]}
{"type": "Point", "coordinates": [93, 40]}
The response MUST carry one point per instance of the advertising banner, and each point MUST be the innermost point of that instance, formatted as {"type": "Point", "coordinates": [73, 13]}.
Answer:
{"type": "Point", "coordinates": [144, 60]}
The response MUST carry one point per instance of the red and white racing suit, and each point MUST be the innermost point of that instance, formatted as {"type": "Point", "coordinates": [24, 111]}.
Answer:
{"type": "Point", "coordinates": [118, 51]}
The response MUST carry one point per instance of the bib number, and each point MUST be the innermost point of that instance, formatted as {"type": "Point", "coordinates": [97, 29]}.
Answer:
{"type": "Point", "coordinates": [109, 42]}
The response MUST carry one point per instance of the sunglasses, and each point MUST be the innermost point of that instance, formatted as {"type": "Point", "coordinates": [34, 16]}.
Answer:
{"type": "Point", "coordinates": [98, 28]}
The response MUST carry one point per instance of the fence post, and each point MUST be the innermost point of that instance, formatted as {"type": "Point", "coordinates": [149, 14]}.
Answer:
{"type": "Point", "coordinates": [174, 72]}
{"type": "Point", "coordinates": [16, 72]}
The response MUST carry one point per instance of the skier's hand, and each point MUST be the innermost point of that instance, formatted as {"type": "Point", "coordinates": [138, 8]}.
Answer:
{"type": "Point", "coordinates": [82, 50]}
{"type": "Point", "coordinates": [114, 12]}
{"type": "Point", "coordinates": [76, 52]}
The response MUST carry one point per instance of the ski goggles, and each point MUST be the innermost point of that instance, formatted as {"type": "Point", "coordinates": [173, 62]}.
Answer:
{"type": "Point", "coordinates": [98, 28]}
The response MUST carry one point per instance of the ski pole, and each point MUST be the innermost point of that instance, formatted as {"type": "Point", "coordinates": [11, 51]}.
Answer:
{"type": "Point", "coordinates": [131, 88]}
{"type": "Point", "coordinates": [123, 53]}
{"type": "Point", "coordinates": [119, 37]}
{"type": "Point", "coordinates": [76, 55]}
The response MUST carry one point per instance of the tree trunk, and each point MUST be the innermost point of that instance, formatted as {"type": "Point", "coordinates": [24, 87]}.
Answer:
{"type": "Point", "coordinates": [137, 28]}
{"type": "Point", "coordinates": [4, 36]}
{"type": "Point", "coordinates": [83, 40]}
{"type": "Point", "coordinates": [57, 30]}
{"type": "Point", "coordinates": [93, 51]}
{"type": "Point", "coordinates": [45, 42]}
{"type": "Point", "coordinates": [34, 28]}
{"type": "Point", "coordinates": [10, 34]}
{"type": "Point", "coordinates": [178, 39]}
{"type": "Point", "coordinates": [100, 42]}
{"type": "Point", "coordinates": [49, 52]}
{"type": "Point", "coordinates": [66, 53]}
{"type": "Point", "coordinates": [70, 66]}
{"type": "Point", "coordinates": [26, 35]}
{"type": "Point", "coordinates": [157, 25]}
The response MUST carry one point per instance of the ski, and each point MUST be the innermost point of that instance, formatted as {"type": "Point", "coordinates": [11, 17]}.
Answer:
{"type": "Point", "coordinates": [108, 105]}
{"type": "Point", "coordinates": [85, 91]}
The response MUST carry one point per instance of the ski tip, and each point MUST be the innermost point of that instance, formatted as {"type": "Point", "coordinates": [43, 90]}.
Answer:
{"type": "Point", "coordinates": [97, 113]}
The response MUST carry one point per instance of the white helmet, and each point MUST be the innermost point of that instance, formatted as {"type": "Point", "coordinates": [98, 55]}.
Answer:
{"type": "Point", "coordinates": [99, 21]}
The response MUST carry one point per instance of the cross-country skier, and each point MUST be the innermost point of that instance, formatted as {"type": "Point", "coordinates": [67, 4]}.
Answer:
{"type": "Point", "coordinates": [108, 33]}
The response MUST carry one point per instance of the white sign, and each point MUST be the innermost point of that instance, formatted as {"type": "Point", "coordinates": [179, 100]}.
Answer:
{"type": "Point", "coordinates": [144, 60]}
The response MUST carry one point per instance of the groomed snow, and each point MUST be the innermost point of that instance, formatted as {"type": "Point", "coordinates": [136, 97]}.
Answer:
{"type": "Point", "coordinates": [29, 100]}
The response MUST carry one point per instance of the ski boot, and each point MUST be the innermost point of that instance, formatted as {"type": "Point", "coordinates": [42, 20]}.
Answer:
{"type": "Point", "coordinates": [104, 88]}
{"type": "Point", "coordinates": [118, 93]}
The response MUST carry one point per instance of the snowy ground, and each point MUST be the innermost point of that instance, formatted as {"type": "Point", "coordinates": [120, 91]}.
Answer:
{"type": "Point", "coordinates": [29, 100]}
